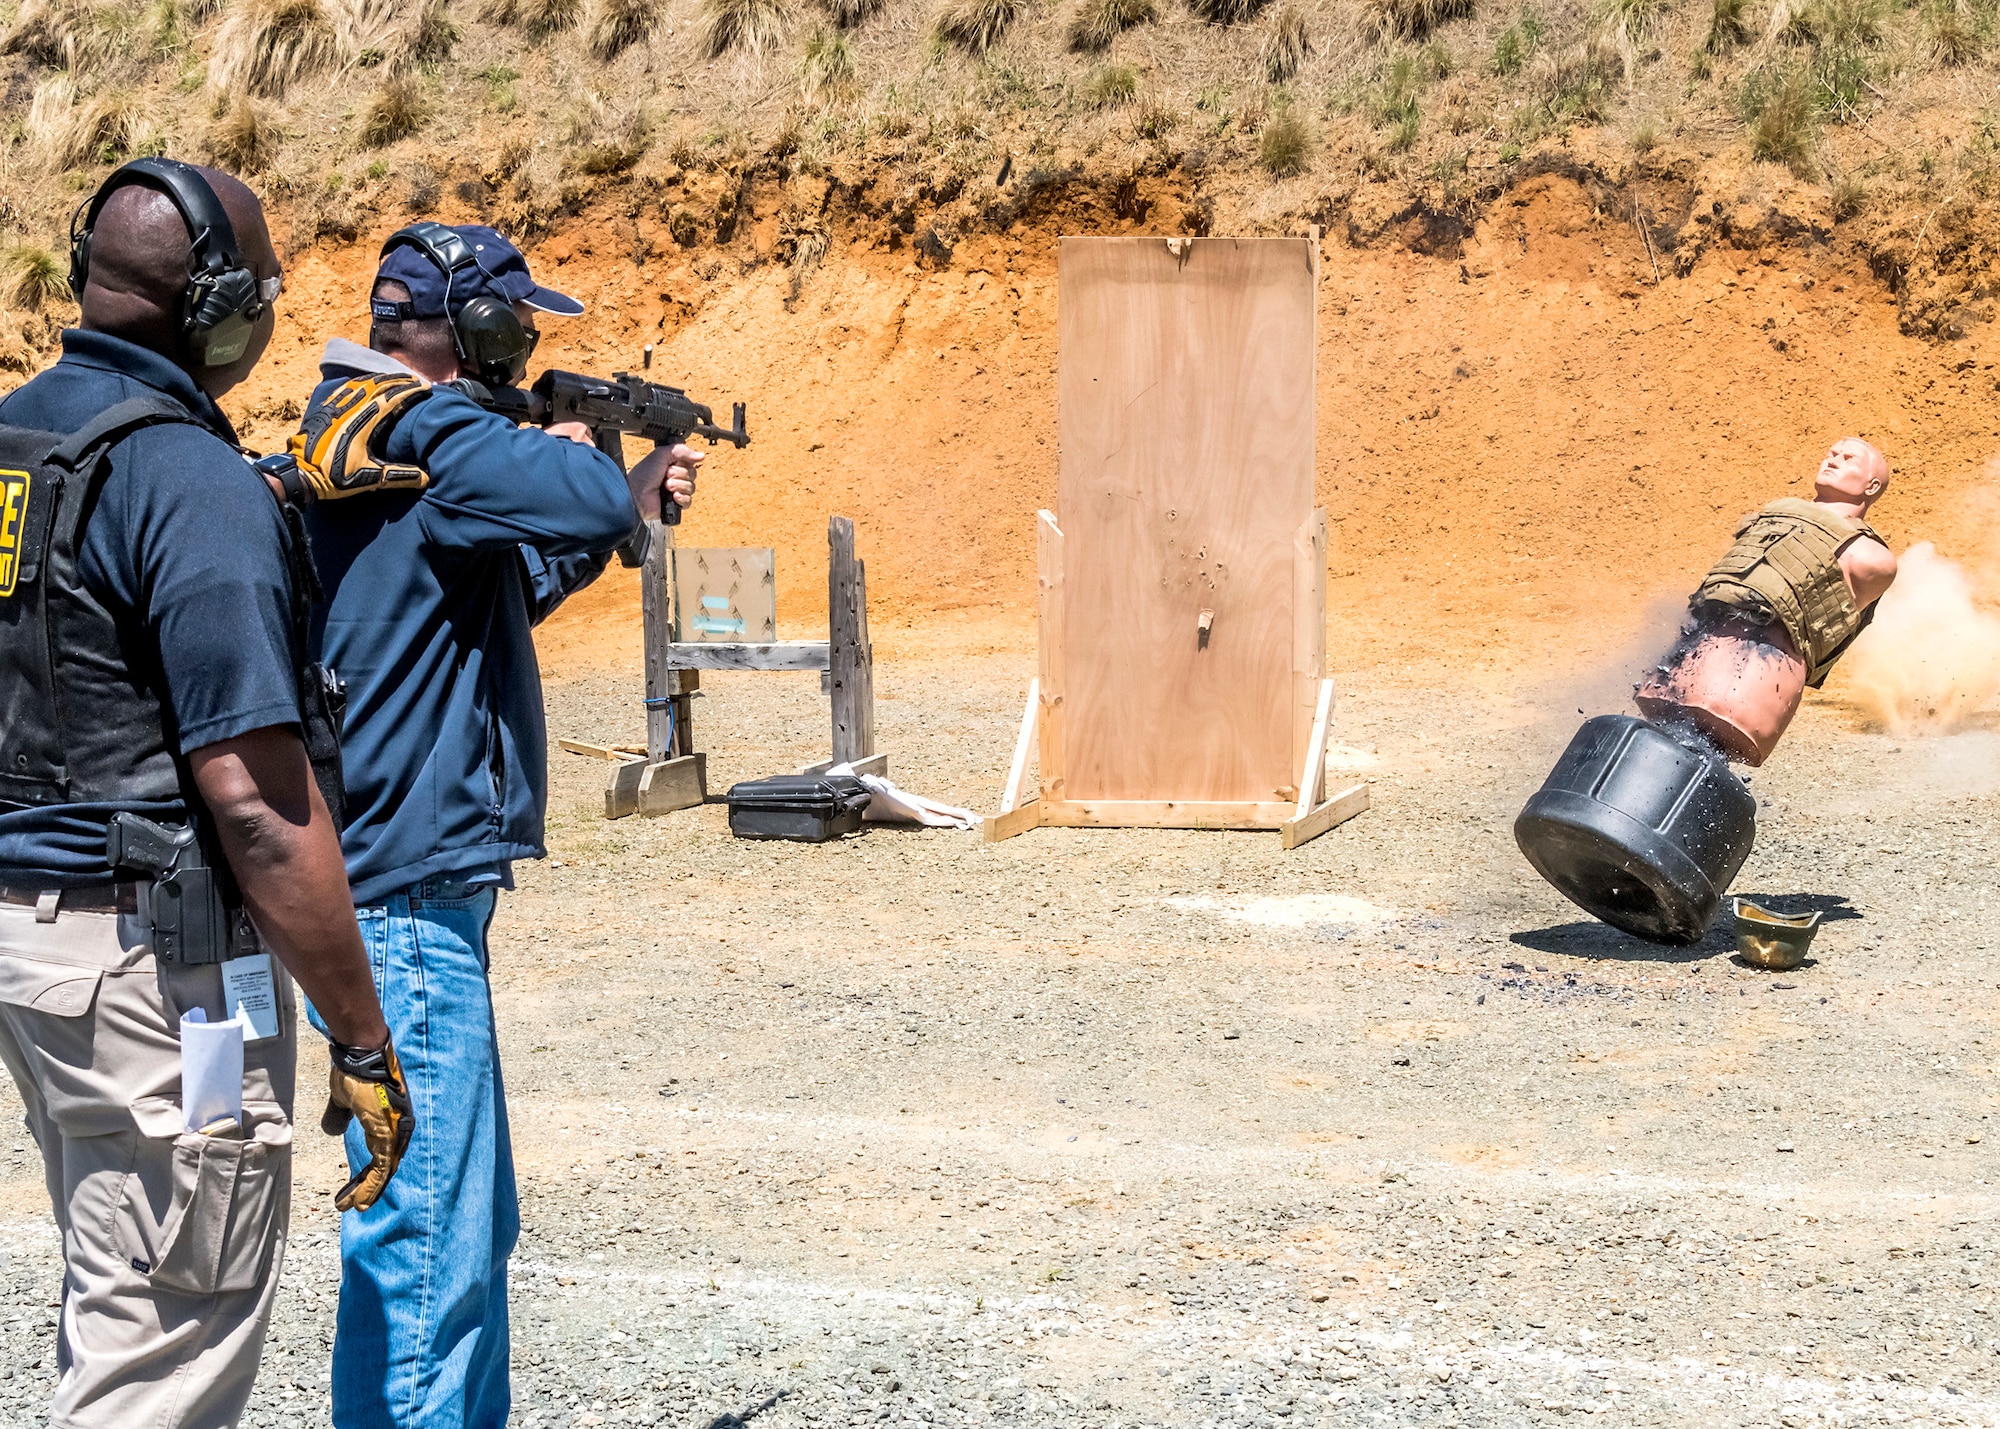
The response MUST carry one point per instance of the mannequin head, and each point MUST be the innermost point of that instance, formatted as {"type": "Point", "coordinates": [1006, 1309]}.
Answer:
{"type": "Point", "coordinates": [1852, 473]}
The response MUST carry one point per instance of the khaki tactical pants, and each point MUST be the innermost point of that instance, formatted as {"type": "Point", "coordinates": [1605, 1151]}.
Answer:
{"type": "Point", "coordinates": [172, 1241]}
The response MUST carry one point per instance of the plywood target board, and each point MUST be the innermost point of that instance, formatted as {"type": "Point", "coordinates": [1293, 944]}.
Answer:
{"type": "Point", "coordinates": [725, 594]}
{"type": "Point", "coordinates": [1189, 660]}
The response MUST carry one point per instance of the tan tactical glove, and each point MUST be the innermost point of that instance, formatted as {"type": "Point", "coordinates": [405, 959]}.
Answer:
{"type": "Point", "coordinates": [339, 449]}
{"type": "Point", "coordinates": [369, 1086]}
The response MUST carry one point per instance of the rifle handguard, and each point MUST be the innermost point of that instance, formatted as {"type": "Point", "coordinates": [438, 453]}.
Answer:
{"type": "Point", "coordinates": [339, 448]}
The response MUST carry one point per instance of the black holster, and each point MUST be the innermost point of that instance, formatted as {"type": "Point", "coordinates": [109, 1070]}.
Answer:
{"type": "Point", "coordinates": [189, 904]}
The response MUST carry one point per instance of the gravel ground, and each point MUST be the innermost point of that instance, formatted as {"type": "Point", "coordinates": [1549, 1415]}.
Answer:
{"type": "Point", "coordinates": [1119, 1128]}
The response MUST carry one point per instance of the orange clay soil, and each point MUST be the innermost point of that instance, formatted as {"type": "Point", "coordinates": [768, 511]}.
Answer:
{"type": "Point", "coordinates": [1521, 449]}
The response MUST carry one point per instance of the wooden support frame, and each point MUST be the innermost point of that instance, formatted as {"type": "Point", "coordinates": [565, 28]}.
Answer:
{"type": "Point", "coordinates": [720, 655]}
{"type": "Point", "coordinates": [670, 773]}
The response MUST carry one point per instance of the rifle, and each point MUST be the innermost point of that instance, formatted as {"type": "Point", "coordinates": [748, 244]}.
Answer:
{"type": "Point", "coordinates": [611, 409]}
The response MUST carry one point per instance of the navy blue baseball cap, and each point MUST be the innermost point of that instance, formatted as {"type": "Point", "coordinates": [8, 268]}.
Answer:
{"type": "Point", "coordinates": [498, 270]}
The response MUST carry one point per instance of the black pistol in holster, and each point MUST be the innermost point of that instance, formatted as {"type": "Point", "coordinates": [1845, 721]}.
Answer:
{"type": "Point", "coordinates": [182, 896]}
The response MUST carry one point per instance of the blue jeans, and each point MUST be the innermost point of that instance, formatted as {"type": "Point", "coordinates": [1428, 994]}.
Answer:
{"type": "Point", "coordinates": [421, 1337]}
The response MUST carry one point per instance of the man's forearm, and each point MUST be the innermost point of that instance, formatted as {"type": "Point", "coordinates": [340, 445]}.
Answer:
{"type": "Point", "coordinates": [281, 846]}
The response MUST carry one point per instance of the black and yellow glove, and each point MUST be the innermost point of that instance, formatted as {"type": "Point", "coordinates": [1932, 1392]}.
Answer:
{"type": "Point", "coordinates": [339, 449]}
{"type": "Point", "coordinates": [368, 1086]}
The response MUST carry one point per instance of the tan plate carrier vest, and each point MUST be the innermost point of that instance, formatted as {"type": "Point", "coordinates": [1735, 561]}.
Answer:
{"type": "Point", "coordinates": [1785, 567]}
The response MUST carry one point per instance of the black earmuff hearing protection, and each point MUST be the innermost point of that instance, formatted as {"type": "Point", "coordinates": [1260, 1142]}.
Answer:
{"type": "Point", "coordinates": [488, 336]}
{"type": "Point", "coordinates": [224, 298]}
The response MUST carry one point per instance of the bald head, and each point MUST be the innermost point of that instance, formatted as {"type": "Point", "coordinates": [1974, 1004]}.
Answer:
{"type": "Point", "coordinates": [139, 254]}
{"type": "Point", "coordinates": [1852, 473]}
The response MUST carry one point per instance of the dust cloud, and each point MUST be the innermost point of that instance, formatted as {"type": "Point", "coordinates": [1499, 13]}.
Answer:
{"type": "Point", "coordinates": [1930, 661]}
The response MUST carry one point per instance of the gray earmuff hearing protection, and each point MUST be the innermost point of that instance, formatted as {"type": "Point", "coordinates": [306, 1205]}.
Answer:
{"type": "Point", "coordinates": [488, 336]}
{"type": "Point", "coordinates": [224, 298]}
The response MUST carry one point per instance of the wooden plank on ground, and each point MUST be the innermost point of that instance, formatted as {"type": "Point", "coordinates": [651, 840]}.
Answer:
{"type": "Point", "coordinates": [1014, 821]}
{"type": "Point", "coordinates": [1185, 412]}
{"type": "Point", "coordinates": [726, 593]}
{"type": "Point", "coordinates": [602, 751]}
{"type": "Point", "coordinates": [1164, 814]}
{"type": "Point", "coordinates": [1337, 810]}
{"type": "Point", "coordinates": [850, 660]}
{"type": "Point", "coordinates": [717, 655]}
{"type": "Point", "coordinates": [676, 784]}
{"type": "Point", "coordinates": [621, 788]}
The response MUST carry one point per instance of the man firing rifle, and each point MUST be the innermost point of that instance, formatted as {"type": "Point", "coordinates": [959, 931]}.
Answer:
{"type": "Point", "coordinates": [456, 531]}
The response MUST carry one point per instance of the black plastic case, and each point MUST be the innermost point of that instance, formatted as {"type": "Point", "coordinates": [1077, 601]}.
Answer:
{"type": "Point", "coordinates": [806, 808]}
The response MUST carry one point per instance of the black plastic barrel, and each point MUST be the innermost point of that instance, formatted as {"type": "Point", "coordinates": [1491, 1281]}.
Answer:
{"type": "Point", "coordinates": [1639, 829]}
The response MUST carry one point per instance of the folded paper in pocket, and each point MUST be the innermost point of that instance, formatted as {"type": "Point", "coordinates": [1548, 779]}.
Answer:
{"type": "Point", "coordinates": [211, 1069]}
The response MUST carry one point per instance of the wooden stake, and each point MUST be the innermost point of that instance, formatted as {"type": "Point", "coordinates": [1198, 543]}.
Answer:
{"type": "Point", "coordinates": [666, 729]}
{"type": "Point", "coordinates": [1312, 779]}
{"type": "Point", "coordinates": [850, 659]}
{"type": "Point", "coordinates": [1049, 575]}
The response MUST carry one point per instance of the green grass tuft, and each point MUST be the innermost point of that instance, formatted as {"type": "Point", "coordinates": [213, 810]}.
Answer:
{"type": "Point", "coordinates": [1227, 12]}
{"type": "Point", "coordinates": [617, 25]}
{"type": "Point", "coordinates": [243, 140]}
{"type": "Point", "coordinates": [1285, 144]}
{"type": "Point", "coordinates": [394, 111]}
{"type": "Point", "coordinates": [1781, 115]}
{"type": "Point", "coordinates": [264, 47]}
{"type": "Point", "coordinates": [1848, 197]}
{"type": "Point", "coordinates": [1953, 33]}
{"type": "Point", "coordinates": [433, 35]}
{"type": "Point", "coordinates": [1097, 23]}
{"type": "Point", "coordinates": [1727, 27]}
{"type": "Point", "coordinates": [826, 69]}
{"type": "Point", "coordinates": [849, 13]}
{"type": "Point", "coordinates": [750, 25]}
{"type": "Point", "coordinates": [1414, 19]}
{"type": "Point", "coordinates": [1573, 85]}
{"type": "Point", "coordinates": [1286, 46]}
{"type": "Point", "coordinates": [1517, 44]}
{"type": "Point", "coordinates": [34, 276]}
{"type": "Point", "coordinates": [538, 18]}
{"type": "Point", "coordinates": [975, 26]}
{"type": "Point", "coordinates": [1108, 86]}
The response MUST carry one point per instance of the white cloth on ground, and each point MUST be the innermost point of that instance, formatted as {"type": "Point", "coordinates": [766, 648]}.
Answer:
{"type": "Point", "coordinates": [891, 805]}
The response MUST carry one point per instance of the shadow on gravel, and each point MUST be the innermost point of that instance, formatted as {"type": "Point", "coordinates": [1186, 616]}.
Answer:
{"type": "Point", "coordinates": [1599, 940]}
{"type": "Point", "coordinates": [1834, 906]}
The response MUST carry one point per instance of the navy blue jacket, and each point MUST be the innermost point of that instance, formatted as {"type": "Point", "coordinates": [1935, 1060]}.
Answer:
{"type": "Point", "coordinates": [431, 599]}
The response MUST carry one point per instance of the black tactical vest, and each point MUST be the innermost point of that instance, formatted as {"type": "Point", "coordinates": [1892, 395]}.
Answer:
{"type": "Point", "coordinates": [77, 724]}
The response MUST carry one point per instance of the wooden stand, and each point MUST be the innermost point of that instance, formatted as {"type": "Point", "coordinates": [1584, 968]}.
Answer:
{"type": "Point", "coordinates": [1183, 617]}
{"type": "Point", "coordinates": [671, 774]}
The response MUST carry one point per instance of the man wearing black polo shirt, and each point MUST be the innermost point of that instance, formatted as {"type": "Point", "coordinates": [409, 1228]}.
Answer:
{"type": "Point", "coordinates": [151, 664]}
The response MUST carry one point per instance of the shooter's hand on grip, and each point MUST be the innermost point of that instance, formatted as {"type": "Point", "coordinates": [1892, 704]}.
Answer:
{"type": "Point", "coordinates": [663, 481]}
{"type": "Point", "coordinates": [369, 1086]}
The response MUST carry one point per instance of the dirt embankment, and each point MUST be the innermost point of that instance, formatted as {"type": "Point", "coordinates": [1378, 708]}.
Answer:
{"type": "Point", "coordinates": [1528, 435]}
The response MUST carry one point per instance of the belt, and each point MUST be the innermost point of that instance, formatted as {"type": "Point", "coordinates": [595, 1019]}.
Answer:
{"type": "Point", "coordinates": [99, 898]}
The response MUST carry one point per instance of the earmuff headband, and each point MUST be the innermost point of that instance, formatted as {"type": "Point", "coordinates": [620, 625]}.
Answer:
{"type": "Point", "coordinates": [485, 333]}
{"type": "Point", "coordinates": [223, 301]}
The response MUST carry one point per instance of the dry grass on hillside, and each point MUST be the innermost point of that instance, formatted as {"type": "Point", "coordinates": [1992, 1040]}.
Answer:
{"type": "Point", "coordinates": [523, 110]}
